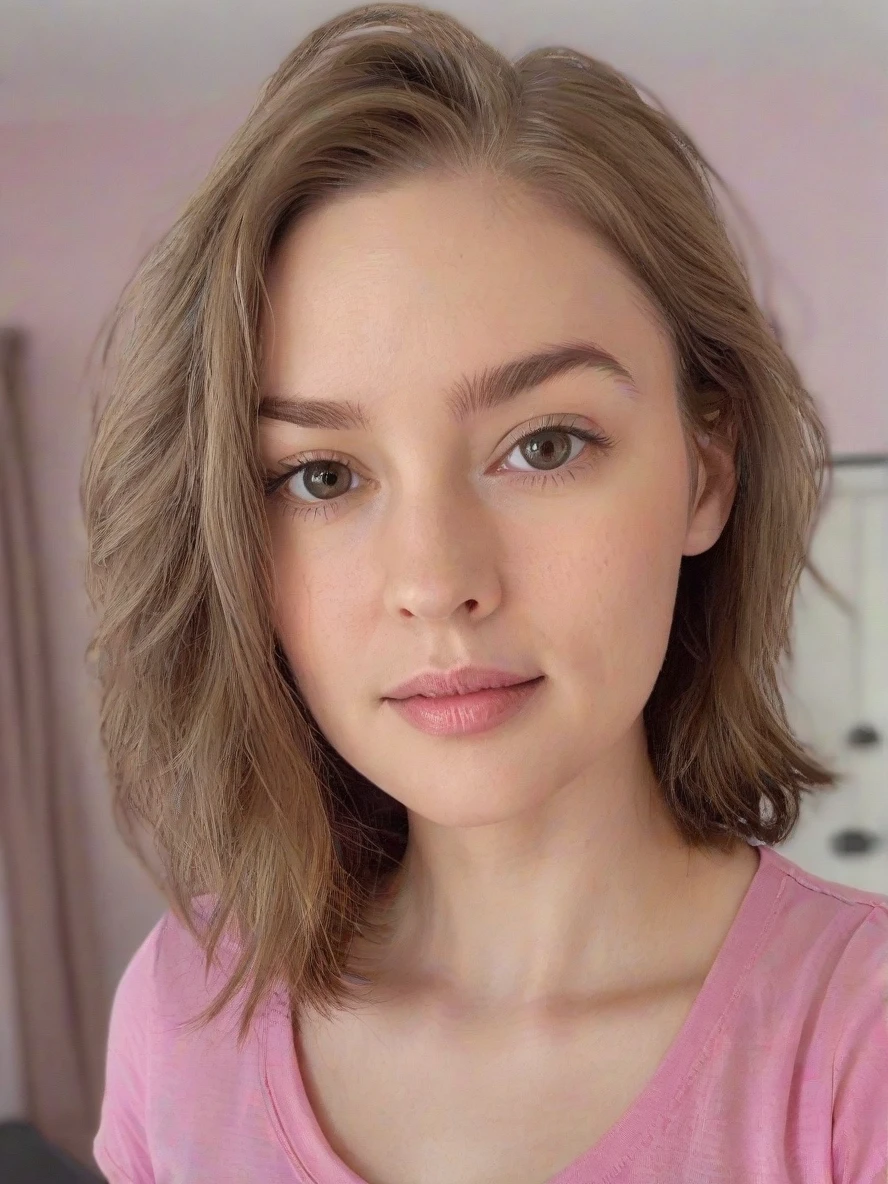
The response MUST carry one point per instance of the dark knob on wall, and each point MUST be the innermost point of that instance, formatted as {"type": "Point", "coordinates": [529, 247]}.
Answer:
{"type": "Point", "coordinates": [864, 736]}
{"type": "Point", "coordinates": [855, 842]}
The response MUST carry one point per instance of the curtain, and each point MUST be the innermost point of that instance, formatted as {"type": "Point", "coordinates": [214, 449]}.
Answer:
{"type": "Point", "coordinates": [59, 991]}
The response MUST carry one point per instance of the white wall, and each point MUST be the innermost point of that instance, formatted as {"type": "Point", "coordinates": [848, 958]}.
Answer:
{"type": "Point", "coordinates": [838, 678]}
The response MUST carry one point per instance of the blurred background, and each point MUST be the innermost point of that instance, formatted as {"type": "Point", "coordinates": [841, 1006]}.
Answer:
{"type": "Point", "coordinates": [111, 112]}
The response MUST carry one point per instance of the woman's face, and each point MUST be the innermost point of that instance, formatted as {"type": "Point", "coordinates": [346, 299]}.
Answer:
{"type": "Point", "coordinates": [436, 539]}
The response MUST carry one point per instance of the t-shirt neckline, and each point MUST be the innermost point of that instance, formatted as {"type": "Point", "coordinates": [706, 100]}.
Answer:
{"type": "Point", "coordinates": [646, 1119]}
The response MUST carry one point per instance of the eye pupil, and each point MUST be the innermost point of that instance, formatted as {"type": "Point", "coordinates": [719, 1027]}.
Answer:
{"type": "Point", "coordinates": [321, 477]}
{"type": "Point", "coordinates": [545, 451]}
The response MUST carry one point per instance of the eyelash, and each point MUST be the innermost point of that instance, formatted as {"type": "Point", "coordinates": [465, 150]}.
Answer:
{"type": "Point", "coordinates": [274, 482]}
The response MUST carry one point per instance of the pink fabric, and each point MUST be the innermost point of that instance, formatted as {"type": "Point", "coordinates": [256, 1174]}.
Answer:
{"type": "Point", "coordinates": [778, 1076]}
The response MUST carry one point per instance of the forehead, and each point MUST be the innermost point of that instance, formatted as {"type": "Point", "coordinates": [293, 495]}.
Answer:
{"type": "Point", "coordinates": [441, 275]}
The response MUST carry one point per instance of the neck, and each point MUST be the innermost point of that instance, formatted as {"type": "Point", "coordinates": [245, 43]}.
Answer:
{"type": "Point", "coordinates": [585, 893]}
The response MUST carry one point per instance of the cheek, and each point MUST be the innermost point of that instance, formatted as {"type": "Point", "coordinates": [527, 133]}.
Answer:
{"type": "Point", "coordinates": [322, 618]}
{"type": "Point", "coordinates": [609, 587]}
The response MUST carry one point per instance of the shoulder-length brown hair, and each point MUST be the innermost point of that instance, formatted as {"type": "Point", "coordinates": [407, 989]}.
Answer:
{"type": "Point", "coordinates": [209, 744]}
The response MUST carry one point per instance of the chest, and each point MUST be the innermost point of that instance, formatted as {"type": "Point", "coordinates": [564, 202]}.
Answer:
{"type": "Point", "coordinates": [403, 1098]}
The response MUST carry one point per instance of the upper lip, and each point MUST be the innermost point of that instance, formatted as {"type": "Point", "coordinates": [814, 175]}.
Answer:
{"type": "Point", "coordinates": [461, 681]}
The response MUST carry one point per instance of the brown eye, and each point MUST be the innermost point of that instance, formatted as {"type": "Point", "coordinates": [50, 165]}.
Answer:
{"type": "Point", "coordinates": [317, 484]}
{"type": "Point", "coordinates": [323, 479]}
{"type": "Point", "coordinates": [550, 448]}
{"type": "Point", "coordinates": [553, 447]}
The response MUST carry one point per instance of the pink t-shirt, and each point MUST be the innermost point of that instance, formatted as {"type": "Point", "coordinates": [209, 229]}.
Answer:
{"type": "Point", "coordinates": [779, 1074]}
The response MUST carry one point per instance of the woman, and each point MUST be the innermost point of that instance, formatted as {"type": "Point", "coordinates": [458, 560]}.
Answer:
{"type": "Point", "coordinates": [444, 520]}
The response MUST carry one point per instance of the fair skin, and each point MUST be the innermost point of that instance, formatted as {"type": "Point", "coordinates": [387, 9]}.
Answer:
{"type": "Point", "coordinates": [544, 878]}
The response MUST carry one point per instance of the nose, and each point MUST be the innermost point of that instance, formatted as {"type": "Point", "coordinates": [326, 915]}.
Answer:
{"type": "Point", "coordinates": [442, 555]}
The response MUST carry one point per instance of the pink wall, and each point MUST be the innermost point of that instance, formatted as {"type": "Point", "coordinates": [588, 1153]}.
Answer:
{"type": "Point", "coordinates": [82, 202]}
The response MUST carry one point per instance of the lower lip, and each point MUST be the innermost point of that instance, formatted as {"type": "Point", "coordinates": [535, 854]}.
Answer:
{"type": "Point", "coordinates": [464, 715]}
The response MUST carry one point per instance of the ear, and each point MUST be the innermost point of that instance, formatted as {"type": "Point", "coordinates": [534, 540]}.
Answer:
{"type": "Point", "coordinates": [713, 487]}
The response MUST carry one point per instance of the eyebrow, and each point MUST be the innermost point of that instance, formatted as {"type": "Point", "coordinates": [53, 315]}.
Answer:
{"type": "Point", "coordinates": [468, 397]}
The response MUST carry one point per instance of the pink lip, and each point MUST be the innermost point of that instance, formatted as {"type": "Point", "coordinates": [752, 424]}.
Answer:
{"type": "Point", "coordinates": [462, 681]}
{"type": "Point", "coordinates": [468, 713]}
